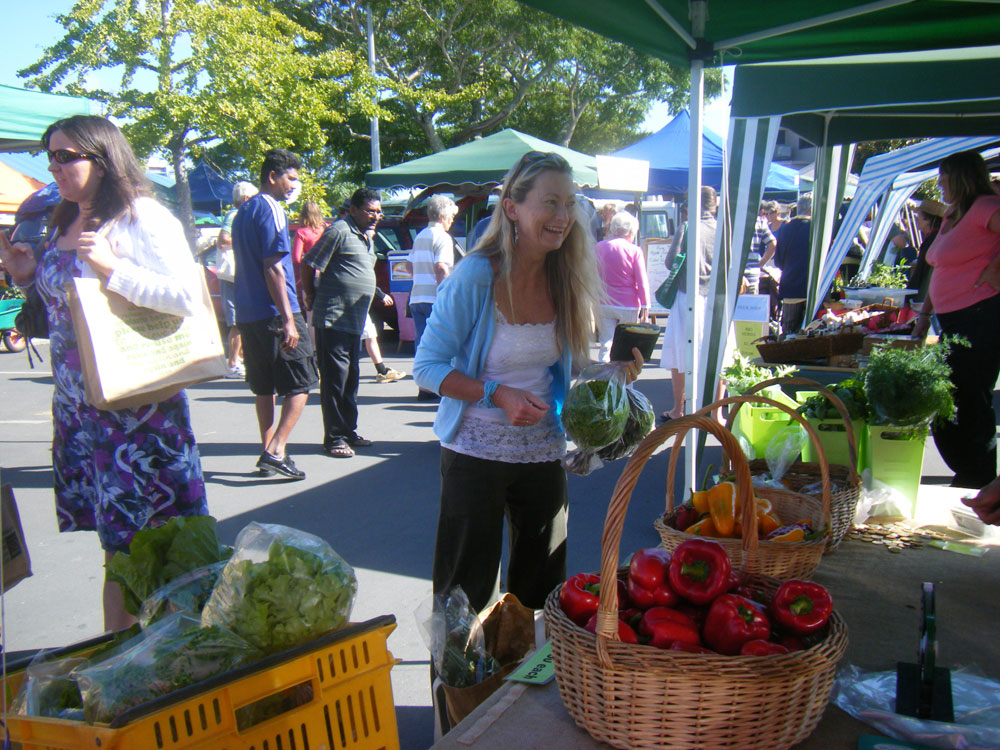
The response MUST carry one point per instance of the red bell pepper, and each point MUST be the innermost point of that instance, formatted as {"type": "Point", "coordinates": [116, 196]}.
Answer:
{"type": "Point", "coordinates": [792, 643]}
{"type": "Point", "coordinates": [665, 626]}
{"type": "Point", "coordinates": [579, 597]}
{"type": "Point", "coordinates": [647, 579]}
{"type": "Point", "coordinates": [760, 647]}
{"type": "Point", "coordinates": [699, 570]}
{"type": "Point", "coordinates": [625, 632]}
{"type": "Point", "coordinates": [732, 621]}
{"type": "Point", "coordinates": [691, 648]}
{"type": "Point", "coordinates": [801, 607]}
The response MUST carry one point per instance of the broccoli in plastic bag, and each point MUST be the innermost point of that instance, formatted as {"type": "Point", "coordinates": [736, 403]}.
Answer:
{"type": "Point", "coordinates": [282, 587]}
{"type": "Point", "coordinates": [596, 407]}
{"type": "Point", "coordinates": [171, 654]}
{"type": "Point", "coordinates": [454, 635]}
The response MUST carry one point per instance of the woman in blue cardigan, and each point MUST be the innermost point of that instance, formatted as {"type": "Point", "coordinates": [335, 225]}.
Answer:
{"type": "Point", "coordinates": [506, 327]}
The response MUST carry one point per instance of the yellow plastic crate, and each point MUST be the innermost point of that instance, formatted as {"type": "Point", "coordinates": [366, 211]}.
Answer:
{"type": "Point", "coordinates": [332, 693]}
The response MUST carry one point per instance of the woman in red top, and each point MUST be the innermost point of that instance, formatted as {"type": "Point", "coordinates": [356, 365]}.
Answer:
{"type": "Point", "coordinates": [311, 227]}
{"type": "Point", "coordinates": [964, 294]}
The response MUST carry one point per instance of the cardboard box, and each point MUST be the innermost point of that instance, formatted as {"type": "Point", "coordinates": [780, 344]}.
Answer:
{"type": "Point", "coordinates": [16, 563]}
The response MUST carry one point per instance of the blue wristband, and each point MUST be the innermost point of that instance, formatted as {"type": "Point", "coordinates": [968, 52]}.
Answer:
{"type": "Point", "coordinates": [489, 388]}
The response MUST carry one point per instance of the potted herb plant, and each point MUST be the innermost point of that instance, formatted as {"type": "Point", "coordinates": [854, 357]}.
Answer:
{"type": "Point", "coordinates": [907, 389]}
{"type": "Point", "coordinates": [880, 282]}
{"type": "Point", "coordinates": [826, 420]}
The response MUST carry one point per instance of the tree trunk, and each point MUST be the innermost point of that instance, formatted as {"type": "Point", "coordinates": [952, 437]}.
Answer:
{"type": "Point", "coordinates": [183, 192]}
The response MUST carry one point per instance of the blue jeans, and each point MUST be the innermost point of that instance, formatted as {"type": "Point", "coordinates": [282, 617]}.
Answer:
{"type": "Point", "coordinates": [421, 311]}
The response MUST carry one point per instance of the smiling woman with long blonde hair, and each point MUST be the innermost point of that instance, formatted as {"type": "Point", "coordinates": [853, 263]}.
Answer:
{"type": "Point", "coordinates": [499, 348]}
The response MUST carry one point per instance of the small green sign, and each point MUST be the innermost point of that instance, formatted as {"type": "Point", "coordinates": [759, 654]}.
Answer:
{"type": "Point", "coordinates": [961, 547]}
{"type": "Point", "coordinates": [537, 669]}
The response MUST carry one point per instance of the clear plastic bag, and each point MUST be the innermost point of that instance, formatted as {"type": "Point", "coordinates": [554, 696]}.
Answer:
{"type": "Point", "coordinates": [596, 407]}
{"type": "Point", "coordinates": [639, 423]}
{"type": "Point", "coordinates": [170, 654]}
{"type": "Point", "coordinates": [189, 593]}
{"type": "Point", "coordinates": [282, 587]}
{"type": "Point", "coordinates": [784, 449]}
{"type": "Point", "coordinates": [871, 697]}
{"type": "Point", "coordinates": [49, 689]}
{"type": "Point", "coordinates": [453, 634]}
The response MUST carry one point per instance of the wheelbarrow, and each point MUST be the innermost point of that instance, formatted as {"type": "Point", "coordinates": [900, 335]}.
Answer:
{"type": "Point", "coordinates": [13, 341]}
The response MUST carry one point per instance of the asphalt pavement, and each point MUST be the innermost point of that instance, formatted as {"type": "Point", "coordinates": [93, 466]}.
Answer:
{"type": "Point", "coordinates": [378, 510]}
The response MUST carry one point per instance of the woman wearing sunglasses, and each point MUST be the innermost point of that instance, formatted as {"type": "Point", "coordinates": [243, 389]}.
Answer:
{"type": "Point", "coordinates": [506, 327]}
{"type": "Point", "coordinates": [115, 472]}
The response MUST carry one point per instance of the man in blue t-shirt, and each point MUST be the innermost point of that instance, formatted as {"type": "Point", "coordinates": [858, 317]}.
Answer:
{"type": "Point", "coordinates": [277, 351]}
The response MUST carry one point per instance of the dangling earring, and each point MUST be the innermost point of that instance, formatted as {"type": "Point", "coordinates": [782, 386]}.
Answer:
{"type": "Point", "coordinates": [515, 232]}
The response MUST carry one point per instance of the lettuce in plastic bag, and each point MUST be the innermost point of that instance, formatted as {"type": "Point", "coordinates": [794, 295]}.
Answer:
{"type": "Point", "coordinates": [171, 654]}
{"type": "Point", "coordinates": [596, 407]}
{"type": "Point", "coordinates": [640, 422]}
{"type": "Point", "coordinates": [281, 588]}
{"type": "Point", "coordinates": [157, 556]}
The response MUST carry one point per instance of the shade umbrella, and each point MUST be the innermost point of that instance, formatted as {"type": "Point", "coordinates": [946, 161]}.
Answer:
{"type": "Point", "coordinates": [25, 114]}
{"type": "Point", "coordinates": [478, 163]}
{"type": "Point", "coordinates": [715, 32]}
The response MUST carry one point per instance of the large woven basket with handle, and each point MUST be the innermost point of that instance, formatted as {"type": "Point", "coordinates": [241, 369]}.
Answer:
{"type": "Point", "coordinates": [781, 560]}
{"type": "Point", "coordinates": [845, 482]}
{"type": "Point", "coordinates": [634, 696]}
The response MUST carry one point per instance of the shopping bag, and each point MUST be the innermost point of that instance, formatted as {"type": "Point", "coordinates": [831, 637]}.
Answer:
{"type": "Point", "coordinates": [667, 291]}
{"type": "Point", "coordinates": [131, 356]}
{"type": "Point", "coordinates": [16, 563]}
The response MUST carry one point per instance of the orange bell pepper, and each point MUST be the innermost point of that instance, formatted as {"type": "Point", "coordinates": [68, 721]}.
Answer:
{"type": "Point", "coordinates": [724, 507]}
{"type": "Point", "coordinates": [766, 523]}
{"type": "Point", "coordinates": [704, 527]}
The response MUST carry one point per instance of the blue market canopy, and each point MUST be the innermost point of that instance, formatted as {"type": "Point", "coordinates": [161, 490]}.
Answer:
{"type": "Point", "coordinates": [209, 188]}
{"type": "Point", "coordinates": [668, 153]}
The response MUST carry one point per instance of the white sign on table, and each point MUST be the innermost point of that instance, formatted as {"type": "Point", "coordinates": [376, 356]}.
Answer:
{"type": "Point", "coordinates": [656, 270]}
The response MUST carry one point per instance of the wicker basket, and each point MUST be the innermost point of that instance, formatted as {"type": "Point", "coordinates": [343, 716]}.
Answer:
{"type": "Point", "coordinates": [845, 489]}
{"type": "Point", "coordinates": [633, 696]}
{"type": "Point", "coordinates": [781, 560]}
{"type": "Point", "coordinates": [810, 348]}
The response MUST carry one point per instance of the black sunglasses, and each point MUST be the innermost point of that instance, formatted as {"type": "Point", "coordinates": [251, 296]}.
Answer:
{"type": "Point", "coordinates": [65, 156]}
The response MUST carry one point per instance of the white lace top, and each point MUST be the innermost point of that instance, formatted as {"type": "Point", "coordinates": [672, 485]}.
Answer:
{"type": "Point", "coordinates": [520, 357]}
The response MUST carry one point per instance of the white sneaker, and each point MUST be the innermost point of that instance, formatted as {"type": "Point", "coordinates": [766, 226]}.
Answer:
{"type": "Point", "coordinates": [236, 372]}
{"type": "Point", "coordinates": [389, 376]}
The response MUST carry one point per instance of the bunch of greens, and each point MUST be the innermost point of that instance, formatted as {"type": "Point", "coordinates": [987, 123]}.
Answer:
{"type": "Point", "coordinates": [910, 387]}
{"type": "Point", "coordinates": [883, 276]}
{"type": "Point", "coordinates": [850, 391]}
{"type": "Point", "coordinates": [596, 410]}
{"type": "Point", "coordinates": [157, 556]}
{"type": "Point", "coordinates": [640, 422]}
{"type": "Point", "coordinates": [170, 655]}
{"type": "Point", "coordinates": [454, 636]}
{"type": "Point", "coordinates": [742, 374]}
{"type": "Point", "coordinates": [293, 596]}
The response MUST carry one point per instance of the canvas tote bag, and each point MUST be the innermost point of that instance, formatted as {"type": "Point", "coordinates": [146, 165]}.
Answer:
{"type": "Point", "coordinates": [132, 356]}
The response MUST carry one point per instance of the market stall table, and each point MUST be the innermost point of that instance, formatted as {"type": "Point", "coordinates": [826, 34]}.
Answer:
{"type": "Point", "coordinates": [878, 593]}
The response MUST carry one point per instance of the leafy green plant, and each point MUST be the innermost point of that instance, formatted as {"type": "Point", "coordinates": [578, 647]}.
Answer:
{"type": "Point", "coordinates": [742, 374]}
{"type": "Point", "coordinates": [850, 391]}
{"type": "Point", "coordinates": [595, 413]}
{"type": "Point", "coordinates": [910, 387]}
{"type": "Point", "coordinates": [883, 276]}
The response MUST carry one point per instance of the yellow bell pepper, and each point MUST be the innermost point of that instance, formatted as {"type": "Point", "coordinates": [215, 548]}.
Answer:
{"type": "Point", "coordinates": [723, 506]}
{"type": "Point", "coordinates": [700, 501]}
{"type": "Point", "coordinates": [766, 523]}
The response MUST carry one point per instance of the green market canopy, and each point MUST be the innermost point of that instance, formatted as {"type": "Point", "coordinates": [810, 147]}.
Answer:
{"type": "Point", "coordinates": [715, 32]}
{"type": "Point", "coordinates": [24, 115]}
{"type": "Point", "coordinates": [478, 163]}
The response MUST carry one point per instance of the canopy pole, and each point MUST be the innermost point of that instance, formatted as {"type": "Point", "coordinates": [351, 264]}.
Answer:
{"type": "Point", "coordinates": [699, 11]}
{"type": "Point", "coordinates": [376, 149]}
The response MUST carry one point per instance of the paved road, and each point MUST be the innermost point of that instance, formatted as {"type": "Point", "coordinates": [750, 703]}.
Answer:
{"type": "Point", "coordinates": [378, 510]}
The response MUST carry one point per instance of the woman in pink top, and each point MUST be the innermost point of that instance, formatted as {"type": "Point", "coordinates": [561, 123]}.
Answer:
{"type": "Point", "coordinates": [623, 271]}
{"type": "Point", "coordinates": [312, 226]}
{"type": "Point", "coordinates": [964, 294]}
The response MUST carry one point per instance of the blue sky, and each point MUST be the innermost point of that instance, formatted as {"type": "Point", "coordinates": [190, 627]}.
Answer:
{"type": "Point", "coordinates": [33, 28]}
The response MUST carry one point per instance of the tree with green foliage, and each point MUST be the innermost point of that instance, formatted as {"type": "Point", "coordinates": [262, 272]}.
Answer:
{"type": "Point", "coordinates": [194, 72]}
{"type": "Point", "coordinates": [460, 69]}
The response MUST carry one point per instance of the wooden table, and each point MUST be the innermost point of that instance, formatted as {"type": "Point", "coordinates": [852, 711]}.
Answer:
{"type": "Point", "coordinates": [878, 594]}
